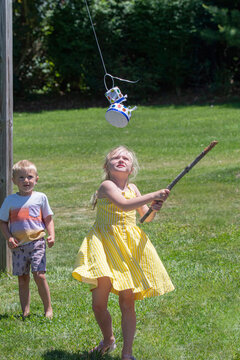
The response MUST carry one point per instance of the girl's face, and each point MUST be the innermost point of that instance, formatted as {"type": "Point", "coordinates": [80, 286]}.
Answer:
{"type": "Point", "coordinates": [120, 162]}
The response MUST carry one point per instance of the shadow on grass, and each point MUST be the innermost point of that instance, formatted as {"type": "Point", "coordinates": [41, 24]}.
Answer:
{"type": "Point", "coordinates": [11, 316]}
{"type": "Point", "coordinates": [65, 355]}
{"type": "Point", "coordinates": [39, 317]}
{"type": "Point", "coordinates": [36, 103]}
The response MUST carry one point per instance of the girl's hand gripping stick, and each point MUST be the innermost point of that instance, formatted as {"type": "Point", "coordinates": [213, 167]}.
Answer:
{"type": "Point", "coordinates": [184, 172]}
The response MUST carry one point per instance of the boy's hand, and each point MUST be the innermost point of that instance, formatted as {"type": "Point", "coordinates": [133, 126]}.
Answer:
{"type": "Point", "coordinates": [50, 241]}
{"type": "Point", "coordinates": [12, 243]}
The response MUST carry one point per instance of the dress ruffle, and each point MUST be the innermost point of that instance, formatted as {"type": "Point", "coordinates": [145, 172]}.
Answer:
{"type": "Point", "coordinates": [121, 251]}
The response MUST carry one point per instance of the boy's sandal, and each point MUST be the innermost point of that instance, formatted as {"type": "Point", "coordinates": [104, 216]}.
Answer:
{"type": "Point", "coordinates": [104, 349]}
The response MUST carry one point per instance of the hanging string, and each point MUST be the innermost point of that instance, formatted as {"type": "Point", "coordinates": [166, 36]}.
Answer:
{"type": "Point", "coordinates": [114, 77]}
{"type": "Point", "coordinates": [100, 52]}
{"type": "Point", "coordinates": [99, 49]}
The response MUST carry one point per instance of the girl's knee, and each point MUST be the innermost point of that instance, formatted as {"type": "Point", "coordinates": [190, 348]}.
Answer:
{"type": "Point", "coordinates": [98, 307]}
{"type": "Point", "coordinates": [126, 301]}
{"type": "Point", "coordinates": [100, 295]}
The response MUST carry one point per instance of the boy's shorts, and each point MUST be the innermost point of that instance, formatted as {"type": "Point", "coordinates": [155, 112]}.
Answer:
{"type": "Point", "coordinates": [33, 253]}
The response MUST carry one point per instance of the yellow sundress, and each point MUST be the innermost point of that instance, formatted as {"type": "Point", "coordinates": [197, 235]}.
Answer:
{"type": "Point", "coordinates": [116, 247]}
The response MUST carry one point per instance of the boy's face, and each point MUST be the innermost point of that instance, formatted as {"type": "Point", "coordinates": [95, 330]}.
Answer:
{"type": "Point", "coordinates": [25, 180]}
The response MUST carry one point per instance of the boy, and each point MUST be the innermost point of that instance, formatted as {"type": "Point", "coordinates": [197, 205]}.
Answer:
{"type": "Point", "coordinates": [23, 219]}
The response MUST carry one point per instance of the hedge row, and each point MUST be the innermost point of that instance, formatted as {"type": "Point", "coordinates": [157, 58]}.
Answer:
{"type": "Point", "coordinates": [168, 45]}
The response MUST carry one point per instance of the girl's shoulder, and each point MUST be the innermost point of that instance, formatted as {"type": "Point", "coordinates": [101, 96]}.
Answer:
{"type": "Point", "coordinates": [105, 187]}
{"type": "Point", "coordinates": [106, 184]}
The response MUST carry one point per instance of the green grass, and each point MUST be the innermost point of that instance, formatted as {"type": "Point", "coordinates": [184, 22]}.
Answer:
{"type": "Point", "coordinates": [196, 234]}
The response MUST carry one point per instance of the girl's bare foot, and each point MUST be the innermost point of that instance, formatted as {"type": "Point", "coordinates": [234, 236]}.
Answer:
{"type": "Point", "coordinates": [103, 348]}
{"type": "Point", "coordinates": [128, 357]}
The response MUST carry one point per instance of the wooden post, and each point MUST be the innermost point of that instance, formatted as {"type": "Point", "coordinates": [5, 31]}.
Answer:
{"type": "Point", "coordinates": [6, 117]}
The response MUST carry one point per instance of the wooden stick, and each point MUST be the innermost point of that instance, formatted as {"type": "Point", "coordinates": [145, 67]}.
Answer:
{"type": "Point", "coordinates": [184, 172]}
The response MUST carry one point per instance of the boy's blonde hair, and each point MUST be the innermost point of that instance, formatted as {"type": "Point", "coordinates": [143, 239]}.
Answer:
{"type": "Point", "coordinates": [121, 148]}
{"type": "Point", "coordinates": [23, 165]}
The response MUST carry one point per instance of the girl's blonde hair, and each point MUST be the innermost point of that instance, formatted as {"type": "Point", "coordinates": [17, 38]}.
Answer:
{"type": "Point", "coordinates": [135, 167]}
{"type": "Point", "coordinates": [121, 148]}
{"type": "Point", "coordinates": [23, 165]}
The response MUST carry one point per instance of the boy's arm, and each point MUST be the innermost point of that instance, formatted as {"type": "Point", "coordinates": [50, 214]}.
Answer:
{"type": "Point", "coordinates": [12, 242]}
{"type": "Point", "coordinates": [48, 221]}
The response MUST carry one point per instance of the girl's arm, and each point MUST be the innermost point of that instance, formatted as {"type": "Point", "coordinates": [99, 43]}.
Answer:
{"type": "Point", "coordinates": [48, 221]}
{"type": "Point", "coordinates": [12, 242]}
{"type": "Point", "coordinates": [109, 190]}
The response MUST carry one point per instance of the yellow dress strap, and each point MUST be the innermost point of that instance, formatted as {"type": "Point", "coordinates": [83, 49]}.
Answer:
{"type": "Point", "coordinates": [131, 191]}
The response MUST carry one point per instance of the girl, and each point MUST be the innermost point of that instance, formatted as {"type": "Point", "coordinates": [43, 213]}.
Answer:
{"type": "Point", "coordinates": [116, 256]}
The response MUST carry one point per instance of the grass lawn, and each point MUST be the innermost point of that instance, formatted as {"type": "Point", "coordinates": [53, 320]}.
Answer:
{"type": "Point", "coordinates": [196, 234]}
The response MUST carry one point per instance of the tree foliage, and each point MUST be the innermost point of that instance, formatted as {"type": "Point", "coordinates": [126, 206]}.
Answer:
{"type": "Point", "coordinates": [169, 45]}
{"type": "Point", "coordinates": [225, 34]}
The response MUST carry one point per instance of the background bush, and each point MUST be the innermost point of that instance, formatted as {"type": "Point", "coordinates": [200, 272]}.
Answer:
{"type": "Point", "coordinates": [168, 45]}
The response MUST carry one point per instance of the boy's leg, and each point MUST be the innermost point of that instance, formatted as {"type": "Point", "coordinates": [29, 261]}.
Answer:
{"type": "Point", "coordinates": [99, 305]}
{"type": "Point", "coordinates": [127, 306]}
{"type": "Point", "coordinates": [38, 265]}
{"type": "Point", "coordinates": [24, 293]}
{"type": "Point", "coordinates": [44, 292]}
{"type": "Point", "coordinates": [21, 267]}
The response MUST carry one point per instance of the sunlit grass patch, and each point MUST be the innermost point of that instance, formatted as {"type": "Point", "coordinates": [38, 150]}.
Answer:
{"type": "Point", "coordinates": [196, 234]}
